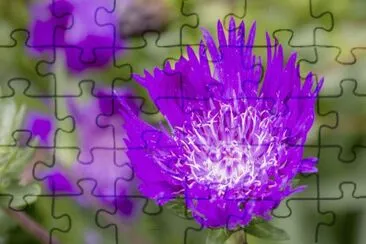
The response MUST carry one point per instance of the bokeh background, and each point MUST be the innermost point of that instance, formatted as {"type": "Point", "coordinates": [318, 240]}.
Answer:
{"type": "Point", "coordinates": [331, 40]}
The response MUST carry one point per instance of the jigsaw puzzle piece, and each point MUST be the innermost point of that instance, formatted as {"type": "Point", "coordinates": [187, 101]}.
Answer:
{"type": "Point", "coordinates": [347, 107]}
{"type": "Point", "coordinates": [207, 15]}
{"type": "Point", "coordinates": [61, 180]}
{"type": "Point", "coordinates": [253, 10]}
{"type": "Point", "coordinates": [17, 199]}
{"type": "Point", "coordinates": [345, 34]}
{"type": "Point", "coordinates": [309, 218]}
{"type": "Point", "coordinates": [333, 171]}
{"type": "Point", "coordinates": [20, 68]}
{"type": "Point", "coordinates": [141, 16]}
{"type": "Point", "coordinates": [141, 48]}
{"type": "Point", "coordinates": [98, 124]}
{"type": "Point", "coordinates": [84, 109]}
{"type": "Point", "coordinates": [25, 138]}
{"type": "Point", "coordinates": [149, 53]}
{"type": "Point", "coordinates": [327, 65]}
{"type": "Point", "coordinates": [154, 220]}
{"type": "Point", "coordinates": [81, 219]}
{"type": "Point", "coordinates": [84, 30]}
{"type": "Point", "coordinates": [38, 221]}
{"type": "Point", "coordinates": [124, 229]}
{"type": "Point", "coordinates": [46, 124]}
{"type": "Point", "coordinates": [347, 221]}
{"type": "Point", "coordinates": [303, 11]}
{"type": "Point", "coordinates": [320, 120]}
{"type": "Point", "coordinates": [295, 31]}
{"type": "Point", "coordinates": [84, 217]}
{"type": "Point", "coordinates": [179, 18]}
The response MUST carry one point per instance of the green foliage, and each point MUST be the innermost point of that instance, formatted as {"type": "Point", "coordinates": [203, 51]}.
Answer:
{"type": "Point", "coordinates": [178, 206]}
{"type": "Point", "coordinates": [223, 236]}
{"type": "Point", "coordinates": [258, 228]}
{"type": "Point", "coordinates": [266, 230]}
{"type": "Point", "coordinates": [217, 236]}
{"type": "Point", "coordinates": [21, 195]}
{"type": "Point", "coordinates": [6, 225]}
{"type": "Point", "coordinates": [13, 158]}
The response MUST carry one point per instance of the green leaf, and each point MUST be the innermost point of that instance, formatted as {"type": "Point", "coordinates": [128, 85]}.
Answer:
{"type": "Point", "coordinates": [178, 206]}
{"type": "Point", "coordinates": [217, 236]}
{"type": "Point", "coordinates": [266, 230]}
{"type": "Point", "coordinates": [237, 237]}
{"type": "Point", "coordinates": [13, 158]}
{"type": "Point", "coordinates": [12, 165]}
{"type": "Point", "coordinates": [257, 221]}
{"type": "Point", "coordinates": [21, 195]}
{"type": "Point", "coordinates": [19, 159]}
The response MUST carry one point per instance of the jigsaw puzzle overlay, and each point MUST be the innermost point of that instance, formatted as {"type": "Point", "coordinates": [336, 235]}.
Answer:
{"type": "Point", "coordinates": [68, 83]}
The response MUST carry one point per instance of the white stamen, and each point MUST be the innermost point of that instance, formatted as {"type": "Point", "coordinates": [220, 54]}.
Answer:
{"type": "Point", "coordinates": [227, 148]}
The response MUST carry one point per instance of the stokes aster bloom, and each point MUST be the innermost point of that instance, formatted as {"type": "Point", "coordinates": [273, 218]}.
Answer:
{"type": "Point", "coordinates": [85, 31]}
{"type": "Point", "coordinates": [108, 167]}
{"type": "Point", "coordinates": [234, 145]}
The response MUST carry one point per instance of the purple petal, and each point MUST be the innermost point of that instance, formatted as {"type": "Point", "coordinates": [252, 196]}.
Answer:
{"type": "Point", "coordinates": [308, 166]}
{"type": "Point", "coordinates": [57, 182]}
{"type": "Point", "coordinates": [235, 154]}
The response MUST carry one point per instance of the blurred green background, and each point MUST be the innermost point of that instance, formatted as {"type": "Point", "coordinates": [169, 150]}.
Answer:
{"type": "Point", "coordinates": [330, 37]}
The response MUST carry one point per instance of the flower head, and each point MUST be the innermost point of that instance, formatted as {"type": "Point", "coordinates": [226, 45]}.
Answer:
{"type": "Point", "coordinates": [80, 28]}
{"type": "Point", "coordinates": [235, 143]}
{"type": "Point", "coordinates": [96, 124]}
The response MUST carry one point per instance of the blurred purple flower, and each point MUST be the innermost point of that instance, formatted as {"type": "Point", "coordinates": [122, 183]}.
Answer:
{"type": "Point", "coordinates": [42, 127]}
{"type": "Point", "coordinates": [109, 166]}
{"type": "Point", "coordinates": [234, 147]}
{"type": "Point", "coordinates": [92, 237]}
{"type": "Point", "coordinates": [83, 29]}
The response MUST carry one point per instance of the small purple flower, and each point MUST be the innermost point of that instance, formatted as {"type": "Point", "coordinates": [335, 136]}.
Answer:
{"type": "Point", "coordinates": [234, 145]}
{"type": "Point", "coordinates": [83, 29]}
{"type": "Point", "coordinates": [96, 124]}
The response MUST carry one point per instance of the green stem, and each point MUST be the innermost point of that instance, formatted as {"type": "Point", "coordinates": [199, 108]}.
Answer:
{"type": "Point", "coordinates": [222, 236]}
{"type": "Point", "coordinates": [239, 237]}
{"type": "Point", "coordinates": [30, 226]}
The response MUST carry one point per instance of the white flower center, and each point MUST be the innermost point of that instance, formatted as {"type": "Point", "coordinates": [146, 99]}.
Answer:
{"type": "Point", "coordinates": [229, 149]}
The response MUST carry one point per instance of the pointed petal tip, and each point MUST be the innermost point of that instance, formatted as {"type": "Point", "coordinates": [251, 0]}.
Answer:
{"type": "Point", "coordinates": [190, 50]}
{"type": "Point", "coordinates": [268, 38]}
{"type": "Point", "coordinates": [320, 85]}
{"type": "Point", "coordinates": [204, 31]}
{"type": "Point", "coordinates": [167, 66]}
{"type": "Point", "coordinates": [221, 34]}
{"type": "Point", "coordinates": [232, 23]}
{"type": "Point", "coordinates": [309, 76]}
{"type": "Point", "coordinates": [298, 189]}
{"type": "Point", "coordinates": [141, 79]}
{"type": "Point", "coordinates": [219, 23]}
{"type": "Point", "coordinates": [254, 25]}
{"type": "Point", "coordinates": [241, 24]}
{"type": "Point", "coordinates": [308, 166]}
{"type": "Point", "coordinates": [232, 18]}
{"type": "Point", "coordinates": [293, 55]}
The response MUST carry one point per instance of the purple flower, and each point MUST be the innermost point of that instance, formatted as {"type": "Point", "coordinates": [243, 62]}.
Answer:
{"type": "Point", "coordinates": [233, 146]}
{"type": "Point", "coordinates": [96, 124]}
{"type": "Point", "coordinates": [41, 126]}
{"type": "Point", "coordinates": [83, 29]}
